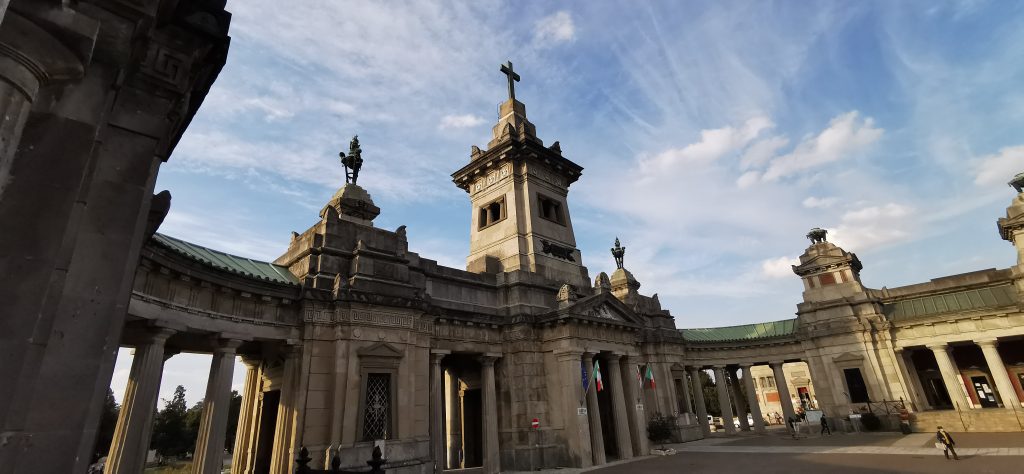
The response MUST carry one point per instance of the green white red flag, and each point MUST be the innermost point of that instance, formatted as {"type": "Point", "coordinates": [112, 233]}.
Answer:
{"type": "Point", "coordinates": [650, 375]}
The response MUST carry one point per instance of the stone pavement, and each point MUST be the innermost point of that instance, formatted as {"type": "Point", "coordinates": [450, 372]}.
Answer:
{"type": "Point", "coordinates": [836, 454]}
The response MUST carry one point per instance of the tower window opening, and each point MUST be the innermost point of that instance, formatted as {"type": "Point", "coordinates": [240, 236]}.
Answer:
{"type": "Point", "coordinates": [491, 213]}
{"type": "Point", "coordinates": [551, 209]}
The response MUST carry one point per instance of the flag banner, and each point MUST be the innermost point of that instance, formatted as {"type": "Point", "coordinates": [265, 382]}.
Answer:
{"type": "Point", "coordinates": [650, 375]}
{"type": "Point", "coordinates": [583, 370]}
{"type": "Point", "coordinates": [597, 376]}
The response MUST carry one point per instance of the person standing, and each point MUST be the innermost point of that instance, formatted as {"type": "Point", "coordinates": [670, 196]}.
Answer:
{"type": "Point", "coordinates": [947, 441]}
{"type": "Point", "coordinates": [824, 426]}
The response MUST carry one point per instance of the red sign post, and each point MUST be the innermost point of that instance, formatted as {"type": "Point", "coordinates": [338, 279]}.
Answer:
{"type": "Point", "coordinates": [535, 423]}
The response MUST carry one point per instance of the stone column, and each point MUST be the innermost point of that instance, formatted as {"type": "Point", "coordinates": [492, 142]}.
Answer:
{"type": "Point", "coordinates": [783, 388]}
{"type": "Point", "coordinates": [619, 409]}
{"type": "Point", "coordinates": [951, 376]}
{"type": "Point", "coordinates": [634, 407]}
{"type": "Point", "coordinates": [213, 424]}
{"type": "Point", "coordinates": [741, 402]}
{"type": "Point", "coordinates": [246, 421]}
{"type": "Point", "coordinates": [437, 440]}
{"type": "Point", "coordinates": [698, 401]}
{"type": "Point", "coordinates": [755, 407]}
{"type": "Point", "coordinates": [687, 408]}
{"type": "Point", "coordinates": [910, 382]}
{"type": "Point", "coordinates": [283, 453]}
{"type": "Point", "coordinates": [596, 437]}
{"type": "Point", "coordinates": [492, 463]}
{"type": "Point", "coordinates": [135, 420]}
{"type": "Point", "coordinates": [454, 420]}
{"type": "Point", "coordinates": [723, 399]}
{"type": "Point", "coordinates": [577, 426]}
{"type": "Point", "coordinates": [999, 375]}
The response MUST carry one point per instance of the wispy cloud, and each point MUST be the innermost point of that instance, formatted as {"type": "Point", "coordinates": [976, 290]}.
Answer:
{"type": "Point", "coordinates": [556, 28]}
{"type": "Point", "coordinates": [460, 121]}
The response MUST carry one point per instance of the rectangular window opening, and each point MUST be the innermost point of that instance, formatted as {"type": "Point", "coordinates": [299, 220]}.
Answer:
{"type": "Point", "coordinates": [491, 213]}
{"type": "Point", "coordinates": [551, 209]}
{"type": "Point", "coordinates": [377, 408]}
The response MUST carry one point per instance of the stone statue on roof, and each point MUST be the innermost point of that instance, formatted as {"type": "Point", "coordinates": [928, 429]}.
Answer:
{"type": "Point", "coordinates": [353, 162]}
{"type": "Point", "coordinates": [618, 251]}
{"type": "Point", "coordinates": [817, 235]}
{"type": "Point", "coordinates": [1017, 182]}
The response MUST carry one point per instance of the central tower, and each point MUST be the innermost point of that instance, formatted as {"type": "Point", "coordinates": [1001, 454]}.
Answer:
{"type": "Point", "coordinates": [519, 189]}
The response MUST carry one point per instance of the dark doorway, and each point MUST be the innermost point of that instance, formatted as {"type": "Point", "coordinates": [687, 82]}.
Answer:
{"type": "Point", "coordinates": [604, 404]}
{"type": "Point", "coordinates": [472, 428]}
{"type": "Point", "coordinates": [936, 393]}
{"type": "Point", "coordinates": [983, 388]}
{"type": "Point", "coordinates": [855, 383]}
{"type": "Point", "coordinates": [265, 436]}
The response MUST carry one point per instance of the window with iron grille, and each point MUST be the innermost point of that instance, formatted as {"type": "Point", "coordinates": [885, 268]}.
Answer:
{"type": "Point", "coordinates": [377, 411]}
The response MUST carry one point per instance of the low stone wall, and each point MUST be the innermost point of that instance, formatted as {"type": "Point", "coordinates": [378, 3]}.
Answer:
{"type": "Point", "coordinates": [984, 419]}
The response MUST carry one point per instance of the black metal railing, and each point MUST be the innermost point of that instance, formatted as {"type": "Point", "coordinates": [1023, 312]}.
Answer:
{"type": "Point", "coordinates": [887, 407]}
{"type": "Point", "coordinates": [302, 464]}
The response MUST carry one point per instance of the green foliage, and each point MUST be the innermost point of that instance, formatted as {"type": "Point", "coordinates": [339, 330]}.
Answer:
{"type": "Point", "coordinates": [170, 436]}
{"type": "Point", "coordinates": [710, 393]}
{"type": "Point", "coordinates": [108, 422]}
{"type": "Point", "coordinates": [233, 409]}
{"type": "Point", "coordinates": [659, 429]}
{"type": "Point", "coordinates": [871, 421]}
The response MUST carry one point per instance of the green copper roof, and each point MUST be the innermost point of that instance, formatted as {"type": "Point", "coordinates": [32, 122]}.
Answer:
{"type": "Point", "coordinates": [991, 297]}
{"type": "Point", "coordinates": [227, 262]}
{"type": "Point", "coordinates": [744, 332]}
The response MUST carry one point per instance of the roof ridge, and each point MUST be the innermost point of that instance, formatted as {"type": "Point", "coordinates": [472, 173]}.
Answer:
{"type": "Point", "coordinates": [739, 325]}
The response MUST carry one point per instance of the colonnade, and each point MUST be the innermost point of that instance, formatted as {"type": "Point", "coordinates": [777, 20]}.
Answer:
{"type": "Point", "coordinates": [489, 411]}
{"type": "Point", "coordinates": [951, 376]}
{"type": "Point", "coordinates": [130, 444]}
{"type": "Point", "coordinates": [727, 385]}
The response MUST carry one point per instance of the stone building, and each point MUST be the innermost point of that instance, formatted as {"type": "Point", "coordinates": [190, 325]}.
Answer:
{"type": "Point", "coordinates": [349, 338]}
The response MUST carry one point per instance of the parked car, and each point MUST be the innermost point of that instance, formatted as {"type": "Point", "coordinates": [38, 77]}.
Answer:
{"type": "Point", "coordinates": [736, 421]}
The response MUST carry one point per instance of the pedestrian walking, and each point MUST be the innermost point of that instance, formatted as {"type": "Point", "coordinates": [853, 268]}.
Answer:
{"type": "Point", "coordinates": [947, 443]}
{"type": "Point", "coordinates": [824, 426]}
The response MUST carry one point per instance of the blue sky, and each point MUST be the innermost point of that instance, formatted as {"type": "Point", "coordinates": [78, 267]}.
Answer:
{"type": "Point", "coordinates": [713, 135]}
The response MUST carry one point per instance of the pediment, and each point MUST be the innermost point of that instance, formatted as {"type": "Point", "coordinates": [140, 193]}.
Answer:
{"type": "Point", "coordinates": [380, 349]}
{"type": "Point", "coordinates": [604, 306]}
{"type": "Point", "coordinates": [848, 357]}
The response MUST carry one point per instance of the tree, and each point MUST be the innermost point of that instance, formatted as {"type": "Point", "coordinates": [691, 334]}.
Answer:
{"type": "Point", "coordinates": [710, 393]}
{"type": "Point", "coordinates": [193, 419]}
{"type": "Point", "coordinates": [108, 423]}
{"type": "Point", "coordinates": [233, 410]}
{"type": "Point", "coordinates": [169, 430]}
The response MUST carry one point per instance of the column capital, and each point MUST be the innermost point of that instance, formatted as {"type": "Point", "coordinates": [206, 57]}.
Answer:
{"type": "Point", "coordinates": [775, 363]}
{"type": "Point", "coordinates": [613, 358]}
{"type": "Point", "coordinates": [251, 362]}
{"type": "Point", "coordinates": [718, 367]}
{"type": "Point", "coordinates": [938, 346]}
{"type": "Point", "coordinates": [987, 342]}
{"type": "Point", "coordinates": [226, 346]}
{"type": "Point", "coordinates": [746, 365]}
{"type": "Point", "coordinates": [487, 360]}
{"type": "Point", "coordinates": [436, 356]}
{"type": "Point", "coordinates": [589, 354]}
{"type": "Point", "coordinates": [898, 349]}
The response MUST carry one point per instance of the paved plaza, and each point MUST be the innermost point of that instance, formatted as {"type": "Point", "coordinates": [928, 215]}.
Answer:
{"type": "Point", "coordinates": [840, 453]}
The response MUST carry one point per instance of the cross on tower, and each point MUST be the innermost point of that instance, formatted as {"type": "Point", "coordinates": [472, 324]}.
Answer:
{"type": "Point", "coordinates": [513, 78]}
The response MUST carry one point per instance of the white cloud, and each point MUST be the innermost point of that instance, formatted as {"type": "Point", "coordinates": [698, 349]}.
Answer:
{"type": "Point", "coordinates": [460, 121]}
{"type": "Point", "coordinates": [819, 203]}
{"type": "Point", "coordinates": [713, 144]}
{"type": "Point", "coordinates": [555, 28]}
{"type": "Point", "coordinates": [778, 267]}
{"type": "Point", "coordinates": [748, 179]}
{"type": "Point", "coordinates": [844, 137]}
{"type": "Point", "coordinates": [875, 226]}
{"type": "Point", "coordinates": [761, 151]}
{"type": "Point", "coordinates": [997, 169]}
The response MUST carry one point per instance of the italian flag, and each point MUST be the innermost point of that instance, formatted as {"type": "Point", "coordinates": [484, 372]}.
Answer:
{"type": "Point", "coordinates": [597, 376]}
{"type": "Point", "coordinates": [649, 375]}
